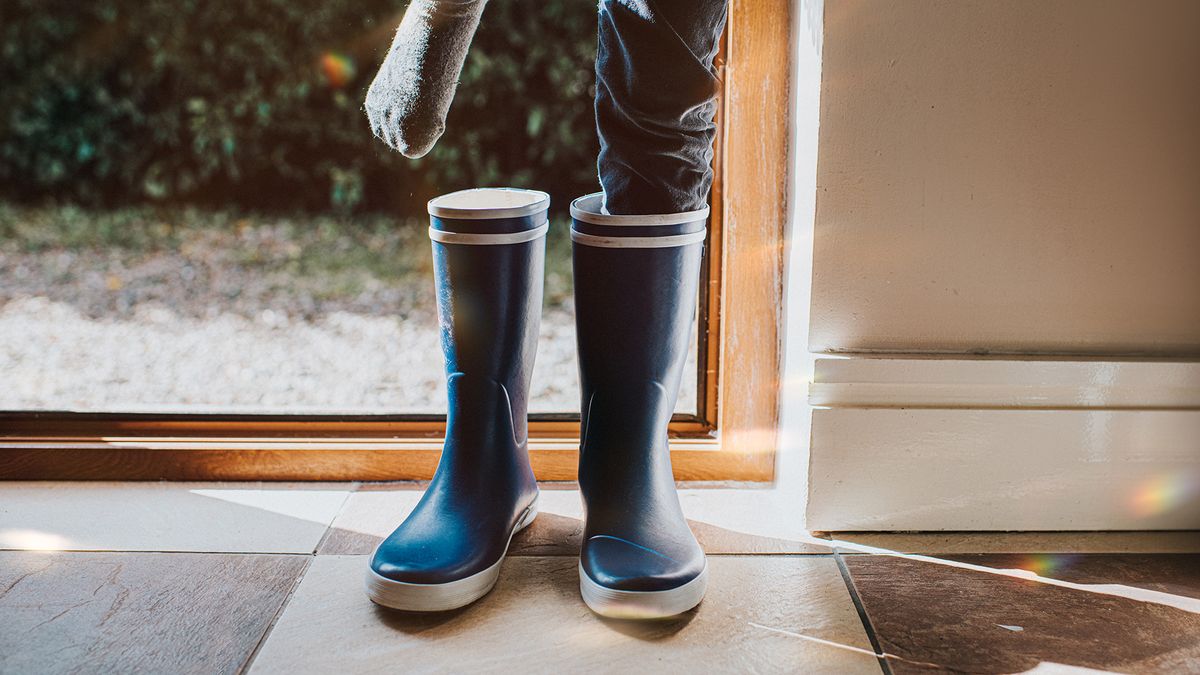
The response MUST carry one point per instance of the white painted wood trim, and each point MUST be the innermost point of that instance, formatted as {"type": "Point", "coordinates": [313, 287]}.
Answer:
{"type": "Point", "coordinates": [488, 239]}
{"type": "Point", "coordinates": [890, 469]}
{"type": "Point", "coordinates": [909, 443]}
{"type": "Point", "coordinates": [1007, 383]}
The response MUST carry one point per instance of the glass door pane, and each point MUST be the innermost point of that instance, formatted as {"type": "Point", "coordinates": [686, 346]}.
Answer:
{"type": "Point", "coordinates": [195, 218]}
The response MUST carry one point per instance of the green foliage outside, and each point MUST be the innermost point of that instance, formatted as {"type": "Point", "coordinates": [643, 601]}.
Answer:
{"type": "Point", "coordinates": [256, 104]}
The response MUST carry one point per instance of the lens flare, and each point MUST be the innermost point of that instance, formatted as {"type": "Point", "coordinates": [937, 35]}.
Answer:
{"type": "Point", "coordinates": [1162, 493]}
{"type": "Point", "coordinates": [1045, 564]}
{"type": "Point", "coordinates": [338, 69]}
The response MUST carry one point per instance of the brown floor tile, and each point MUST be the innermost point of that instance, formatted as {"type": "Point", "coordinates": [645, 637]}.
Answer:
{"type": "Point", "coordinates": [340, 541]}
{"type": "Point", "coordinates": [1129, 613]}
{"type": "Point", "coordinates": [1178, 541]}
{"type": "Point", "coordinates": [1177, 574]}
{"type": "Point", "coordinates": [138, 612]}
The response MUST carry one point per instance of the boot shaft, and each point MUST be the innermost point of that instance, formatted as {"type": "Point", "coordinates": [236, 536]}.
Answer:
{"type": "Point", "coordinates": [636, 283]}
{"type": "Point", "coordinates": [634, 311]}
{"type": "Point", "coordinates": [488, 269]}
{"type": "Point", "coordinates": [489, 301]}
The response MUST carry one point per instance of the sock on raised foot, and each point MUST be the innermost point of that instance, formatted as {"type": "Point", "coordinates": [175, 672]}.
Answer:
{"type": "Point", "coordinates": [411, 94]}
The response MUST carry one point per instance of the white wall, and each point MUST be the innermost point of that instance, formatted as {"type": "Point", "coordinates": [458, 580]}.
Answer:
{"type": "Point", "coordinates": [1014, 177]}
{"type": "Point", "coordinates": [1017, 178]}
{"type": "Point", "coordinates": [795, 413]}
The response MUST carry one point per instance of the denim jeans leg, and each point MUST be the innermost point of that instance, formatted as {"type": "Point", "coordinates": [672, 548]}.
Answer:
{"type": "Point", "coordinates": [655, 102]}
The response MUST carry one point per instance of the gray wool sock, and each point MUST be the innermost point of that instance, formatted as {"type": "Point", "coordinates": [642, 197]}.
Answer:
{"type": "Point", "coordinates": [411, 94]}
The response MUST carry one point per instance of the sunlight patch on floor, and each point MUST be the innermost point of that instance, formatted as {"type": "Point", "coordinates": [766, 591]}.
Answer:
{"type": "Point", "coordinates": [311, 505]}
{"type": "Point", "coordinates": [32, 540]}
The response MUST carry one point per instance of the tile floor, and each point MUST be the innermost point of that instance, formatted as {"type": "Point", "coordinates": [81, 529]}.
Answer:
{"type": "Point", "coordinates": [265, 578]}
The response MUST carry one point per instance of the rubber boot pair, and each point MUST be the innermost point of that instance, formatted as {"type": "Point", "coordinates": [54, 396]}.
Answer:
{"type": "Point", "coordinates": [635, 290]}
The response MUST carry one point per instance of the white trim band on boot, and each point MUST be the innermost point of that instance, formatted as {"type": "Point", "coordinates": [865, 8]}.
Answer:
{"type": "Point", "coordinates": [489, 239]}
{"type": "Point", "coordinates": [580, 211]}
{"type": "Point", "coordinates": [488, 204]}
{"type": "Point", "coordinates": [639, 242]}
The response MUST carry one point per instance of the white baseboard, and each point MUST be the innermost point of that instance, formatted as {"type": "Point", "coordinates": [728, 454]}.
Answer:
{"type": "Point", "coordinates": [985, 444]}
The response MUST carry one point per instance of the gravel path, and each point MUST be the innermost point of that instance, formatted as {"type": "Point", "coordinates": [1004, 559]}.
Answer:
{"type": "Point", "coordinates": [53, 357]}
{"type": "Point", "coordinates": [161, 332]}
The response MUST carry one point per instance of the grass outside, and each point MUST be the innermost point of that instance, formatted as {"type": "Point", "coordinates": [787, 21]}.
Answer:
{"type": "Point", "coordinates": [244, 262]}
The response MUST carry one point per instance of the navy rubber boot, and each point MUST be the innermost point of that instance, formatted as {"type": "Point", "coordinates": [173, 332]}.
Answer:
{"type": "Point", "coordinates": [636, 283]}
{"type": "Point", "coordinates": [489, 256]}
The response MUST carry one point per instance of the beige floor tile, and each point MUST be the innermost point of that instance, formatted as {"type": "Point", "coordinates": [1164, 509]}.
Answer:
{"type": "Point", "coordinates": [750, 520]}
{"type": "Point", "coordinates": [726, 521]}
{"type": "Point", "coordinates": [137, 612]}
{"type": "Point", "coordinates": [762, 614]}
{"type": "Point", "coordinates": [228, 517]}
{"type": "Point", "coordinates": [1017, 542]}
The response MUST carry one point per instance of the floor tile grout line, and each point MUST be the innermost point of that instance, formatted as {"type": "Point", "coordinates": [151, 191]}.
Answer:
{"type": "Point", "coordinates": [262, 641]}
{"type": "Point", "coordinates": [880, 656]}
{"type": "Point", "coordinates": [317, 552]}
{"type": "Point", "coordinates": [151, 550]}
{"type": "Point", "coordinates": [514, 556]}
{"type": "Point", "coordinates": [245, 666]}
{"type": "Point", "coordinates": [329, 526]}
{"type": "Point", "coordinates": [575, 554]}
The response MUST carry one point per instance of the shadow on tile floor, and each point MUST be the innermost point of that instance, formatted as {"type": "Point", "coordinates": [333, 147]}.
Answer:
{"type": "Point", "coordinates": [552, 534]}
{"type": "Point", "coordinates": [563, 585]}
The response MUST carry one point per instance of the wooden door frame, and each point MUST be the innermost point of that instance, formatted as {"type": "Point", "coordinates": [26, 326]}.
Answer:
{"type": "Point", "coordinates": [732, 437]}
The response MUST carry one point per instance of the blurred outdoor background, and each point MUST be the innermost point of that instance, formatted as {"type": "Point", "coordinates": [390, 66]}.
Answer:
{"type": "Point", "coordinates": [194, 215]}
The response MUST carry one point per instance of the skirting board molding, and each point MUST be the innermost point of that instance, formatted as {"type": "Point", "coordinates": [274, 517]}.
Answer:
{"type": "Point", "coordinates": [984, 444]}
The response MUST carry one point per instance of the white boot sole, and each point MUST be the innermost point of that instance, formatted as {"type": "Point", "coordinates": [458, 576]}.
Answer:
{"type": "Point", "coordinates": [642, 604]}
{"type": "Point", "coordinates": [442, 597]}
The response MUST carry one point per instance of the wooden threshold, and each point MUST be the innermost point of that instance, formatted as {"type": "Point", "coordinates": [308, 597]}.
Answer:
{"type": "Point", "coordinates": [300, 459]}
{"type": "Point", "coordinates": [98, 446]}
{"type": "Point", "coordinates": [91, 425]}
